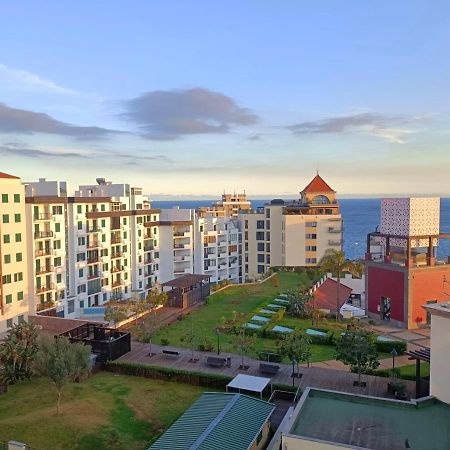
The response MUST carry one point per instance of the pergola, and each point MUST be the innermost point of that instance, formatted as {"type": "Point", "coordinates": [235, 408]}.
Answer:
{"type": "Point", "coordinates": [187, 290]}
{"type": "Point", "coordinates": [422, 354]}
{"type": "Point", "coordinates": [248, 383]}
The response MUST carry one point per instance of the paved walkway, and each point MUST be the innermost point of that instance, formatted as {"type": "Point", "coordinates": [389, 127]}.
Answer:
{"type": "Point", "coordinates": [315, 376]}
{"type": "Point", "coordinates": [416, 339]}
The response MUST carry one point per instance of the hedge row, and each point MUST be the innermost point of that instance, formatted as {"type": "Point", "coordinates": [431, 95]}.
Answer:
{"type": "Point", "coordinates": [209, 380]}
{"type": "Point", "coordinates": [387, 346]}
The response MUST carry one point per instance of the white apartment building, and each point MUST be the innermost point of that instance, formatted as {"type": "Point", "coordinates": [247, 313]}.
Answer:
{"type": "Point", "coordinates": [291, 234]}
{"type": "Point", "coordinates": [15, 301]}
{"type": "Point", "coordinates": [228, 206]}
{"type": "Point", "coordinates": [217, 249]}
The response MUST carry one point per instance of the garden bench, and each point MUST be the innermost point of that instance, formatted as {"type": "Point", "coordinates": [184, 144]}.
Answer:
{"type": "Point", "coordinates": [270, 369]}
{"type": "Point", "coordinates": [215, 362]}
{"type": "Point", "coordinates": [171, 352]}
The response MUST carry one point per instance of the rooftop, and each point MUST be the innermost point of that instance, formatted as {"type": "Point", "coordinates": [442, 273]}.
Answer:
{"type": "Point", "coordinates": [325, 295]}
{"type": "Point", "coordinates": [7, 175]}
{"type": "Point", "coordinates": [217, 421]}
{"type": "Point", "coordinates": [186, 280]}
{"type": "Point", "coordinates": [318, 184]}
{"type": "Point", "coordinates": [441, 309]}
{"type": "Point", "coordinates": [372, 423]}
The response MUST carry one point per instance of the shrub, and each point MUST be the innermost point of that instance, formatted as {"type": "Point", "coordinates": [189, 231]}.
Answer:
{"type": "Point", "coordinates": [165, 341]}
{"type": "Point", "coordinates": [387, 346]}
{"type": "Point", "coordinates": [371, 322]}
{"type": "Point", "coordinates": [323, 340]}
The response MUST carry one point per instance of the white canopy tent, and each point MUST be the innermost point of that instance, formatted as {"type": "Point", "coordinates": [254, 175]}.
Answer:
{"type": "Point", "coordinates": [248, 383]}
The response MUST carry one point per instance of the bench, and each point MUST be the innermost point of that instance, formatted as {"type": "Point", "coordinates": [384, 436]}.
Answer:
{"type": "Point", "coordinates": [215, 362]}
{"type": "Point", "coordinates": [270, 369]}
{"type": "Point", "coordinates": [171, 352]}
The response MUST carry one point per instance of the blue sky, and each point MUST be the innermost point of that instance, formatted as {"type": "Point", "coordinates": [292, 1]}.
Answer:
{"type": "Point", "coordinates": [191, 98]}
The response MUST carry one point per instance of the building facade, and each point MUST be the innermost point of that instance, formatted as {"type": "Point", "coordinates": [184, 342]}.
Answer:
{"type": "Point", "coordinates": [229, 206]}
{"type": "Point", "coordinates": [15, 299]}
{"type": "Point", "coordinates": [296, 233]}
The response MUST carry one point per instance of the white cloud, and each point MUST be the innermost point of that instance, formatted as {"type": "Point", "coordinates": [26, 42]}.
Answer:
{"type": "Point", "coordinates": [17, 78]}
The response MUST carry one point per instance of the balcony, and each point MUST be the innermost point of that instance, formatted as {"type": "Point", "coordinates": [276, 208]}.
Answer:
{"type": "Point", "coordinates": [116, 240]}
{"type": "Point", "coordinates": [93, 276]}
{"type": "Point", "coordinates": [42, 270]}
{"type": "Point", "coordinates": [45, 288]}
{"type": "Point", "coordinates": [94, 244]}
{"type": "Point", "coordinates": [179, 246]}
{"type": "Point", "coordinates": [45, 305]}
{"type": "Point", "coordinates": [117, 283]}
{"type": "Point", "coordinates": [93, 260]}
{"type": "Point", "coordinates": [43, 216]}
{"type": "Point", "coordinates": [43, 234]}
{"type": "Point", "coordinates": [148, 236]}
{"type": "Point", "coordinates": [43, 252]}
{"type": "Point", "coordinates": [181, 234]}
{"type": "Point", "coordinates": [94, 230]}
{"type": "Point", "coordinates": [333, 242]}
{"type": "Point", "coordinates": [117, 269]}
{"type": "Point", "coordinates": [116, 255]}
{"type": "Point", "coordinates": [148, 248]}
{"type": "Point", "coordinates": [334, 230]}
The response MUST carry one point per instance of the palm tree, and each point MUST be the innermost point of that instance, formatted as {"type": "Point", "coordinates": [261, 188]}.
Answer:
{"type": "Point", "coordinates": [334, 261]}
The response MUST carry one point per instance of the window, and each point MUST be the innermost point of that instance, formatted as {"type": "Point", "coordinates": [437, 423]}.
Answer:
{"type": "Point", "coordinates": [80, 225]}
{"type": "Point", "coordinates": [18, 237]}
{"type": "Point", "coordinates": [311, 260]}
{"type": "Point", "coordinates": [311, 248]}
{"type": "Point", "coordinates": [5, 218]}
{"type": "Point", "coordinates": [260, 235]}
{"type": "Point", "coordinates": [6, 279]}
{"type": "Point", "coordinates": [5, 198]}
{"type": "Point", "coordinates": [16, 198]}
{"type": "Point", "coordinates": [18, 276]}
{"type": "Point", "coordinates": [7, 259]}
{"type": "Point", "coordinates": [268, 248]}
{"type": "Point", "coordinates": [103, 223]}
{"type": "Point", "coordinates": [17, 218]}
{"type": "Point", "coordinates": [81, 241]}
{"type": "Point", "coordinates": [267, 259]}
{"type": "Point", "coordinates": [80, 273]}
{"type": "Point", "coordinates": [311, 224]}
{"type": "Point", "coordinates": [267, 235]}
{"type": "Point", "coordinates": [57, 227]}
{"type": "Point", "coordinates": [79, 209]}
{"type": "Point", "coordinates": [320, 200]}
{"type": "Point", "coordinates": [260, 246]}
{"type": "Point", "coordinates": [9, 323]}
{"type": "Point", "coordinates": [21, 319]}
{"type": "Point", "coordinates": [70, 306]}
{"type": "Point", "coordinates": [103, 207]}
{"type": "Point", "coordinates": [57, 262]}
{"type": "Point", "coordinates": [18, 257]}
{"type": "Point", "coordinates": [260, 257]}
{"type": "Point", "coordinates": [260, 224]}
{"type": "Point", "coordinates": [8, 298]}
{"type": "Point", "coordinates": [311, 236]}
{"type": "Point", "coordinates": [6, 239]}
{"type": "Point", "coordinates": [58, 278]}
{"type": "Point", "coordinates": [20, 296]}
{"type": "Point", "coordinates": [260, 269]}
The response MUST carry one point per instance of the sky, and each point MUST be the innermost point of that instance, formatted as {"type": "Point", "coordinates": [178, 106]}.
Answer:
{"type": "Point", "coordinates": [191, 98]}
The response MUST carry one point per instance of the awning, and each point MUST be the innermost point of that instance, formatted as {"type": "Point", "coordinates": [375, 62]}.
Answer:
{"type": "Point", "coordinates": [248, 383]}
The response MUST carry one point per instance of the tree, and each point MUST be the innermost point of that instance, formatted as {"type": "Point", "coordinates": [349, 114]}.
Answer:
{"type": "Point", "coordinates": [156, 298]}
{"type": "Point", "coordinates": [298, 303]}
{"type": "Point", "coordinates": [60, 361]}
{"type": "Point", "coordinates": [243, 343]}
{"type": "Point", "coordinates": [17, 352]}
{"type": "Point", "coordinates": [116, 313]}
{"type": "Point", "coordinates": [147, 331]}
{"type": "Point", "coordinates": [334, 261]}
{"type": "Point", "coordinates": [316, 315]}
{"type": "Point", "coordinates": [296, 347]}
{"type": "Point", "coordinates": [190, 337]}
{"type": "Point", "coordinates": [356, 348]}
{"type": "Point", "coordinates": [137, 305]}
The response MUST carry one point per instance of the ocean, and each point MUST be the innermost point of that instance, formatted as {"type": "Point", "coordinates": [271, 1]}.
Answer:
{"type": "Point", "coordinates": [361, 216]}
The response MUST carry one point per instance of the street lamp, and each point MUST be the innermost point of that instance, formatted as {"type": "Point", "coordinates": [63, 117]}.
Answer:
{"type": "Point", "coordinates": [218, 340]}
{"type": "Point", "coordinates": [293, 372]}
{"type": "Point", "coordinates": [394, 354]}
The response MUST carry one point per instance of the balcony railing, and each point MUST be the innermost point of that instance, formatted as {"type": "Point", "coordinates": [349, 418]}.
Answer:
{"type": "Point", "coordinates": [93, 276]}
{"type": "Point", "coordinates": [43, 216]}
{"type": "Point", "coordinates": [94, 230]}
{"type": "Point", "coordinates": [179, 246]}
{"type": "Point", "coordinates": [42, 270]}
{"type": "Point", "coordinates": [116, 240]}
{"type": "Point", "coordinates": [43, 234]}
{"type": "Point", "coordinates": [93, 260]}
{"type": "Point", "coordinates": [94, 244]}
{"type": "Point", "coordinates": [334, 230]}
{"type": "Point", "coordinates": [116, 255]}
{"type": "Point", "coordinates": [117, 269]}
{"type": "Point", "coordinates": [43, 252]}
{"type": "Point", "coordinates": [147, 236]}
{"type": "Point", "coordinates": [148, 248]}
{"type": "Point", "coordinates": [44, 306]}
{"type": "Point", "coordinates": [45, 288]}
{"type": "Point", "coordinates": [117, 283]}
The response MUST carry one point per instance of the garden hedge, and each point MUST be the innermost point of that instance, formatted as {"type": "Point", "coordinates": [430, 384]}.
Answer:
{"type": "Point", "coordinates": [387, 346]}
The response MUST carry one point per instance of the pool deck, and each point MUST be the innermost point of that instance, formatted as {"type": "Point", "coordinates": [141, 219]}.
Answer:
{"type": "Point", "coordinates": [314, 376]}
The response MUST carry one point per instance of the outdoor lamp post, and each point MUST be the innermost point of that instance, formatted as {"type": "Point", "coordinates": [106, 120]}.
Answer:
{"type": "Point", "coordinates": [394, 354]}
{"type": "Point", "coordinates": [293, 372]}
{"type": "Point", "coordinates": [218, 341]}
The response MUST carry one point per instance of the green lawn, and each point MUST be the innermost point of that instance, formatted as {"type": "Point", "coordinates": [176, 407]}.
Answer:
{"type": "Point", "coordinates": [241, 301]}
{"type": "Point", "coordinates": [104, 412]}
{"type": "Point", "coordinates": [410, 370]}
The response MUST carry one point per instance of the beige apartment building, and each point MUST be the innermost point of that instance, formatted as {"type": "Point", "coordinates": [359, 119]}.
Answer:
{"type": "Point", "coordinates": [14, 299]}
{"type": "Point", "coordinates": [229, 206]}
{"type": "Point", "coordinates": [289, 234]}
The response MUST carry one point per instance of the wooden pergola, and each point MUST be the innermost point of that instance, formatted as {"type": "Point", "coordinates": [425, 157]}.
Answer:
{"type": "Point", "coordinates": [423, 354]}
{"type": "Point", "coordinates": [187, 290]}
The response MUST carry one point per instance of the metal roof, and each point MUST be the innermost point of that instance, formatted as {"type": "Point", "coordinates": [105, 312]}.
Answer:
{"type": "Point", "coordinates": [217, 421]}
{"type": "Point", "coordinates": [186, 280]}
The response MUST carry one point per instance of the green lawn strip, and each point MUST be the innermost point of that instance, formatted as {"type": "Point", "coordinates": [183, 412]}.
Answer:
{"type": "Point", "coordinates": [104, 412]}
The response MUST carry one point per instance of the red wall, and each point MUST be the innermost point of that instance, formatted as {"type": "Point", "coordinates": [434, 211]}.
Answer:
{"type": "Point", "coordinates": [386, 283]}
{"type": "Point", "coordinates": [426, 285]}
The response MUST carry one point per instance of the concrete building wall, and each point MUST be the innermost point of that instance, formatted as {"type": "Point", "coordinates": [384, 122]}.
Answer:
{"type": "Point", "coordinates": [15, 300]}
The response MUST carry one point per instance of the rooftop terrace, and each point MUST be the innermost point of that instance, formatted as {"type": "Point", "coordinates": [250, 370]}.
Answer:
{"type": "Point", "coordinates": [371, 423]}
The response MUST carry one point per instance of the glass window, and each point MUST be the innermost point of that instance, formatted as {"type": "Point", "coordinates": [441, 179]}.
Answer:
{"type": "Point", "coordinates": [20, 295]}
{"type": "Point", "coordinates": [80, 225]}
{"type": "Point", "coordinates": [18, 237]}
{"type": "Point", "coordinates": [79, 209]}
{"type": "Point", "coordinates": [5, 198]}
{"type": "Point", "coordinates": [18, 257]}
{"type": "Point", "coordinates": [5, 218]}
{"type": "Point", "coordinates": [6, 239]}
{"type": "Point", "coordinates": [57, 227]}
{"type": "Point", "coordinates": [7, 259]}
{"type": "Point", "coordinates": [17, 218]}
{"type": "Point", "coordinates": [8, 298]}
{"type": "Point", "coordinates": [16, 198]}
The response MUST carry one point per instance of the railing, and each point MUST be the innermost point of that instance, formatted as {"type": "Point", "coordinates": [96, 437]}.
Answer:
{"type": "Point", "coordinates": [117, 283]}
{"type": "Point", "coordinates": [148, 248]}
{"type": "Point", "coordinates": [94, 230]}
{"type": "Point", "coordinates": [334, 230]}
{"type": "Point", "coordinates": [93, 260]}
{"type": "Point", "coordinates": [92, 276]}
{"type": "Point", "coordinates": [116, 240]}
{"type": "Point", "coordinates": [47, 287]}
{"type": "Point", "coordinates": [116, 255]}
{"type": "Point", "coordinates": [148, 274]}
{"type": "Point", "coordinates": [43, 234]}
{"type": "Point", "coordinates": [147, 236]}
{"type": "Point", "coordinates": [95, 244]}
{"type": "Point", "coordinates": [179, 246]}
{"type": "Point", "coordinates": [117, 269]}
{"type": "Point", "coordinates": [43, 216]}
{"type": "Point", "coordinates": [43, 270]}
{"type": "Point", "coordinates": [43, 252]}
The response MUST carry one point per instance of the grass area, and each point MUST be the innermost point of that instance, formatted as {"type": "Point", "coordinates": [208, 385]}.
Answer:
{"type": "Point", "coordinates": [104, 412]}
{"type": "Point", "coordinates": [241, 301]}
{"type": "Point", "coordinates": [409, 371]}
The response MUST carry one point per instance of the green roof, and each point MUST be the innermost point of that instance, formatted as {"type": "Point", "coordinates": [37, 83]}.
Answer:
{"type": "Point", "coordinates": [217, 421]}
